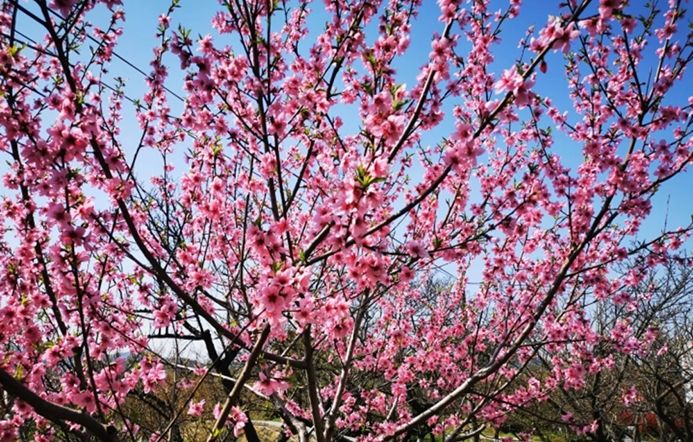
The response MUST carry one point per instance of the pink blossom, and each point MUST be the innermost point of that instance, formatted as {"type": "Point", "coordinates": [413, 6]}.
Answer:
{"type": "Point", "coordinates": [512, 81]}
{"type": "Point", "coordinates": [630, 396]}
{"type": "Point", "coordinates": [274, 198]}
{"type": "Point", "coordinates": [64, 6]}
{"type": "Point", "coordinates": [268, 385]}
{"type": "Point", "coordinates": [239, 419]}
{"type": "Point", "coordinates": [415, 248]}
{"type": "Point", "coordinates": [196, 408]}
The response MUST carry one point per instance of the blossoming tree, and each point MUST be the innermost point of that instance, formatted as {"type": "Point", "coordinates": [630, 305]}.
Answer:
{"type": "Point", "coordinates": [298, 238]}
{"type": "Point", "coordinates": [635, 393]}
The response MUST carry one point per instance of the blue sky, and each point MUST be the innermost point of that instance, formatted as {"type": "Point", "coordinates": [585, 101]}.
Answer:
{"type": "Point", "coordinates": [673, 201]}
{"type": "Point", "coordinates": [138, 40]}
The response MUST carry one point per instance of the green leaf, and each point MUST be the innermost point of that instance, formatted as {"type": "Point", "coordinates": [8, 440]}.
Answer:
{"type": "Point", "coordinates": [367, 87]}
{"type": "Point", "coordinates": [14, 50]}
{"type": "Point", "coordinates": [370, 58]}
{"type": "Point", "coordinates": [216, 146]}
{"type": "Point", "coordinates": [277, 266]}
{"type": "Point", "coordinates": [362, 176]}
